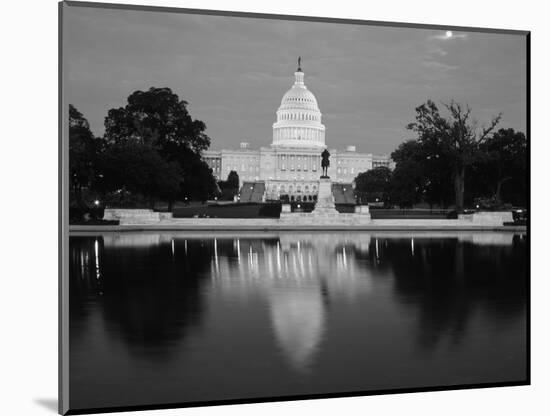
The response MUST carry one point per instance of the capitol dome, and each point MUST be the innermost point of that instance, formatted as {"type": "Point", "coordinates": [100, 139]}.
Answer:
{"type": "Point", "coordinates": [299, 118]}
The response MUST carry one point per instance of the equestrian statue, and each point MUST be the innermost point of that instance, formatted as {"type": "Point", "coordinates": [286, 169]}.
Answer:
{"type": "Point", "coordinates": [325, 163]}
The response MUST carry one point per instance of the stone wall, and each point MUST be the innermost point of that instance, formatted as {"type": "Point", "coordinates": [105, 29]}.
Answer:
{"type": "Point", "coordinates": [361, 217]}
{"type": "Point", "coordinates": [487, 217]}
{"type": "Point", "coordinates": [133, 216]}
{"type": "Point", "coordinates": [304, 218]}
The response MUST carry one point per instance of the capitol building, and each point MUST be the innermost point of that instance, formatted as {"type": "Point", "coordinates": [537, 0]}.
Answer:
{"type": "Point", "coordinates": [291, 165]}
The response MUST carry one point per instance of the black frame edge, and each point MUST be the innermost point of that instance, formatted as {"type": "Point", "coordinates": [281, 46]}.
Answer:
{"type": "Point", "coordinates": [272, 399]}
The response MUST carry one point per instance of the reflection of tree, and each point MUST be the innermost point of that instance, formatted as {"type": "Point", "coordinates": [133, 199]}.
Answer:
{"type": "Point", "coordinates": [148, 296]}
{"type": "Point", "coordinates": [448, 280]}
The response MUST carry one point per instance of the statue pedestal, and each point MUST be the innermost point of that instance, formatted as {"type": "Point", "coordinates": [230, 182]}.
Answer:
{"type": "Point", "coordinates": [325, 213]}
{"type": "Point", "coordinates": [325, 199]}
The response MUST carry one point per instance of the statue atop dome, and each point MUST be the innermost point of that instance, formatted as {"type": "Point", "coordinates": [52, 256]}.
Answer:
{"type": "Point", "coordinates": [299, 64]}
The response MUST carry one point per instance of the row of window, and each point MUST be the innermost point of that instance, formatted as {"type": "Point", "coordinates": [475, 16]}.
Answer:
{"type": "Point", "coordinates": [213, 162]}
{"type": "Point", "coordinates": [293, 176]}
{"type": "Point", "coordinates": [299, 168]}
{"type": "Point", "coordinates": [300, 100]}
{"type": "Point", "coordinates": [348, 161]}
{"type": "Point", "coordinates": [299, 116]}
{"type": "Point", "coordinates": [292, 188]}
{"type": "Point", "coordinates": [243, 168]}
{"type": "Point", "coordinates": [298, 158]}
{"type": "Point", "coordinates": [298, 134]}
{"type": "Point", "coordinates": [345, 170]}
{"type": "Point", "coordinates": [292, 158]}
{"type": "Point", "coordinates": [215, 165]}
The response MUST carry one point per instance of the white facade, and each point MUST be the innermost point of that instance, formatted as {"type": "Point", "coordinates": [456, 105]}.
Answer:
{"type": "Point", "coordinates": [292, 164]}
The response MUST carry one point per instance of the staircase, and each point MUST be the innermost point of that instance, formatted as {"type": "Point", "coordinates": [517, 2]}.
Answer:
{"type": "Point", "coordinates": [252, 192]}
{"type": "Point", "coordinates": [343, 193]}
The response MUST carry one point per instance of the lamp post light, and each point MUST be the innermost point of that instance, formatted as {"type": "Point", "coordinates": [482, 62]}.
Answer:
{"type": "Point", "coordinates": [96, 202]}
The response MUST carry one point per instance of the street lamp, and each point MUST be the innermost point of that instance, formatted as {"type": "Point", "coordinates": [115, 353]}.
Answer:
{"type": "Point", "coordinates": [96, 202]}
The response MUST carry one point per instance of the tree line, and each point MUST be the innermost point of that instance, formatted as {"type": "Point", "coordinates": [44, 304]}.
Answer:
{"type": "Point", "coordinates": [452, 161]}
{"type": "Point", "coordinates": [151, 151]}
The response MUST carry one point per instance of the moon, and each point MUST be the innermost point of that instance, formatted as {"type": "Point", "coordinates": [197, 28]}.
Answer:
{"type": "Point", "coordinates": [449, 34]}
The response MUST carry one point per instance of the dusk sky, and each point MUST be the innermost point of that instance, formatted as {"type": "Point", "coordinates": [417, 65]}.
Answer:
{"type": "Point", "coordinates": [234, 71]}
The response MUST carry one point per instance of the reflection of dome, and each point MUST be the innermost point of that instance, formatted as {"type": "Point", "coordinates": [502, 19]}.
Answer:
{"type": "Point", "coordinates": [299, 118]}
{"type": "Point", "coordinates": [298, 318]}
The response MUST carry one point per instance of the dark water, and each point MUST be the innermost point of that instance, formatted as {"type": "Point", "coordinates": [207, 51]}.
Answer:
{"type": "Point", "coordinates": [175, 317]}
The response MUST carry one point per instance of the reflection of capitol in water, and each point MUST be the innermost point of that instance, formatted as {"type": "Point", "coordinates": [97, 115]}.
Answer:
{"type": "Point", "coordinates": [297, 275]}
{"type": "Point", "coordinates": [300, 276]}
{"type": "Point", "coordinates": [277, 313]}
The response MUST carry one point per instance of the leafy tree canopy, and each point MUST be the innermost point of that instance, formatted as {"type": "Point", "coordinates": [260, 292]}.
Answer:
{"type": "Point", "coordinates": [407, 183]}
{"type": "Point", "coordinates": [83, 152]}
{"type": "Point", "coordinates": [456, 138]}
{"type": "Point", "coordinates": [233, 180]}
{"type": "Point", "coordinates": [157, 123]}
{"type": "Point", "coordinates": [139, 168]}
{"type": "Point", "coordinates": [374, 180]}
{"type": "Point", "coordinates": [157, 117]}
{"type": "Point", "coordinates": [501, 168]}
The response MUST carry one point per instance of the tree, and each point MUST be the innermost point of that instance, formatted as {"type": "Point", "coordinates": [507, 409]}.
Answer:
{"type": "Point", "coordinates": [406, 184]}
{"type": "Point", "coordinates": [156, 117]}
{"type": "Point", "coordinates": [408, 179]}
{"type": "Point", "coordinates": [198, 180]}
{"type": "Point", "coordinates": [139, 168]}
{"type": "Point", "coordinates": [457, 138]}
{"type": "Point", "coordinates": [159, 119]}
{"type": "Point", "coordinates": [503, 161]}
{"type": "Point", "coordinates": [421, 173]}
{"type": "Point", "coordinates": [233, 180]}
{"type": "Point", "coordinates": [374, 182]}
{"type": "Point", "coordinates": [230, 187]}
{"type": "Point", "coordinates": [83, 151]}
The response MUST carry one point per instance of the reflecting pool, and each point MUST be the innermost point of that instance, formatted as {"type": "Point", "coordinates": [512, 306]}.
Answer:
{"type": "Point", "coordinates": [186, 317]}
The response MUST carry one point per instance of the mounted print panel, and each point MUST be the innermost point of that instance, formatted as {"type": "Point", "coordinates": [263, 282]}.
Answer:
{"type": "Point", "coordinates": [262, 208]}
